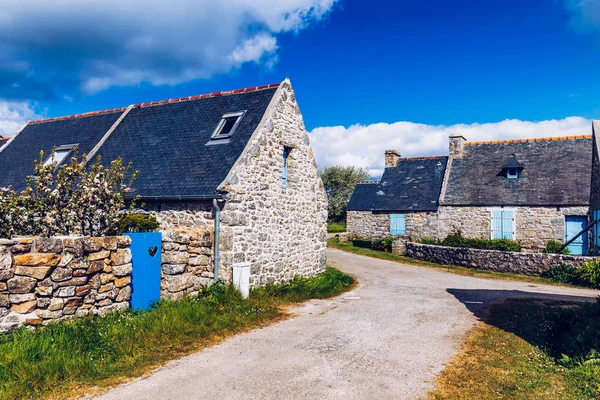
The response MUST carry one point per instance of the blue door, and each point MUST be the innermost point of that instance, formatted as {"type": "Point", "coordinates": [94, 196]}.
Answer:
{"type": "Point", "coordinates": [146, 254]}
{"type": "Point", "coordinates": [574, 225]}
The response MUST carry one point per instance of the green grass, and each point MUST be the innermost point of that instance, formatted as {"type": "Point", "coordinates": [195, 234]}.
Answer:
{"type": "Point", "coordinates": [517, 354]}
{"type": "Point", "coordinates": [74, 356]}
{"type": "Point", "coordinates": [336, 227]}
{"type": "Point", "coordinates": [362, 247]}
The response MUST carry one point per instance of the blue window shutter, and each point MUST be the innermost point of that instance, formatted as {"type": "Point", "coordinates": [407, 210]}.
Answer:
{"type": "Point", "coordinates": [496, 224]}
{"type": "Point", "coordinates": [397, 224]}
{"type": "Point", "coordinates": [507, 225]}
{"type": "Point", "coordinates": [597, 228]}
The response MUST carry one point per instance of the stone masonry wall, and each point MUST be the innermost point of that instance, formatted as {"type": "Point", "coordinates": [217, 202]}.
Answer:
{"type": "Point", "coordinates": [370, 225]}
{"type": "Point", "coordinates": [535, 226]}
{"type": "Point", "coordinates": [281, 231]}
{"type": "Point", "coordinates": [187, 261]}
{"type": "Point", "coordinates": [360, 224]}
{"type": "Point", "coordinates": [51, 279]}
{"type": "Point", "coordinates": [501, 261]}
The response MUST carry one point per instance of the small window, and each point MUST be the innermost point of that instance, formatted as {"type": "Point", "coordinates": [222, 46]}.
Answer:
{"type": "Point", "coordinates": [228, 124]}
{"type": "Point", "coordinates": [512, 173]}
{"type": "Point", "coordinates": [59, 155]}
{"type": "Point", "coordinates": [286, 154]}
{"type": "Point", "coordinates": [397, 224]}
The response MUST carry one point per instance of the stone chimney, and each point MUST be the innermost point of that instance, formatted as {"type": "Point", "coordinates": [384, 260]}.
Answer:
{"type": "Point", "coordinates": [392, 157]}
{"type": "Point", "coordinates": [457, 146]}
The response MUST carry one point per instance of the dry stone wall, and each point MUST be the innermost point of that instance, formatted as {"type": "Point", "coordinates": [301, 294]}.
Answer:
{"type": "Point", "coordinates": [187, 262]}
{"type": "Point", "coordinates": [52, 279]}
{"type": "Point", "coordinates": [492, 260]}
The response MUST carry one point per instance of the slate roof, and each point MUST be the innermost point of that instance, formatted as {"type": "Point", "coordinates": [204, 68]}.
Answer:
{"type": "Point", "coordinates": [413, 185]}
{"type": "Point", "coordinates": [165, 141]}
{"type": "Point", "coordinates": [556, 172]}
{"type": "Point", "coordinates": [16, 159]}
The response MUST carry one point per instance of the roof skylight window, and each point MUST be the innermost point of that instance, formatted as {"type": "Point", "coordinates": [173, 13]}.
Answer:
{"type": "Point", "coordinates": [59, 155]}
{"type": "Point", "coordinates": [228, 124]}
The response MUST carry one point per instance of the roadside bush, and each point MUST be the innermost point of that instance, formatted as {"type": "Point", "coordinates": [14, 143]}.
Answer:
{"type": "Point", "coordinates": [563, 273]}
{"type": "Point", "coordinates": [589, 273]}
{"type": "Point", "coordinates": [553, 246]}
{"type": "Point", "coordinates": [81, 197]}
{"type": "Point", "coordinates": [384, 244]}
{"type": "Point", "coordinates": [456, 239]}
{"type": "Point", "coordinates": [137, 222]}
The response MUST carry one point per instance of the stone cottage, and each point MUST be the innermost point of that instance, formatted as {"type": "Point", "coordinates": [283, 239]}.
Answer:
{"type": "Point", "coordinates": [242, 155]}
{"type": "Point", "coordinates": [529, 190]}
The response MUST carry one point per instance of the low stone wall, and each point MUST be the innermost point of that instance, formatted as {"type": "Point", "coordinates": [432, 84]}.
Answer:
{"type": "Point", "coordinates": [188, 262]}
{"type": "Point", "coordinates": [492, 260]}
{"type": "Point", "coordinates": [51, 279]}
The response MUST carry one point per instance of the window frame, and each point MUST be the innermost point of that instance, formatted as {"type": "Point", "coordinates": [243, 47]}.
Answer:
{"type": "Point", "coordinates": [67, 149]}
{"type": "Point", "coordinates": [284, 172]}
{"type": "Point", "coordinates": [216, 136]}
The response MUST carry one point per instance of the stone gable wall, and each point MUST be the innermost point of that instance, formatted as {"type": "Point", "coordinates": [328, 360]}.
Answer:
{"type": "Point", "coordinates": [282, 232]}
{"type": "Point", "coordinates": [492, 260]}
{"type": "Point", "coordinates": [52, 279]}
{"type": "Point", "coordinates": [370, 225]}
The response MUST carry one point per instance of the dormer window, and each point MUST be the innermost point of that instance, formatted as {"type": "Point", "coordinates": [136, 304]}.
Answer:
{"type": "Point", "coordinates": [512, 168]}
{"type": "Point", "coordinates": [227, 126]}
{"type": "Point", "coordinates": [512, 173]}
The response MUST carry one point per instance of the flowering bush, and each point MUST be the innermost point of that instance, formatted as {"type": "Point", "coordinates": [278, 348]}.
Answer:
{"type": "Point", "coordinates": [79, 198]}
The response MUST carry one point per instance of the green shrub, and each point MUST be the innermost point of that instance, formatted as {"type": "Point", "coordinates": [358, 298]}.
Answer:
{"type": "Point", "coordinates": [589, 273]}
{"type": "Point", "coordinates": [456, 239]}
{"type": "Point", "coordinates": [384, 244]}
{"type": "Point", "coordinates": [563, 273]}
{"type": "Point", "coordinates": [336, 227]}
{"type": "Point", "coordinates": [553, 246]}
{"type": "Point", "coordinates": [136, 222]}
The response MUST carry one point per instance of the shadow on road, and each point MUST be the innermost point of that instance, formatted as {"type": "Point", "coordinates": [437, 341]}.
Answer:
{"type": "Point", "coordinates": [560, 324]}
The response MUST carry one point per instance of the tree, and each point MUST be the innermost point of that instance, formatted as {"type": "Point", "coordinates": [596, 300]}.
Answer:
{"type": "Point", "coordinates": [79, 199]}
{"type": "Point", "coordinates": [340, 183]}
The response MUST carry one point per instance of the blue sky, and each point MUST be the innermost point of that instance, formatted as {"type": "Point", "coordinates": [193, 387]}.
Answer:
{"type": "Point", "coordinates": [401, 73]}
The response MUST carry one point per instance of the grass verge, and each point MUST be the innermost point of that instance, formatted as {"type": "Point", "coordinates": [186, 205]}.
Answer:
{"type": "Point", "coordinates": [336, 227]}
{"type": "Point", "coordinates": [517, 353]}
{"type": "Point", "coordinates": [363, 248]}
{"type": "Point", "coordinates": [98, 352]}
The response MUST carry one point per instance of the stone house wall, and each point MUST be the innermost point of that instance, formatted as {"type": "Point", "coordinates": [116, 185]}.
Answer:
{"type": "Point", "coordinates": [535, 226]}
{"type": "Point", "coordinates": [52, 279]}
{"type": "Point", "coordinates": [492, 260]}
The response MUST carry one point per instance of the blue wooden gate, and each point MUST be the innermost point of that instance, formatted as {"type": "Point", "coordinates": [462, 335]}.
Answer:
{"type": "Point", "coordinates": [574, 225]}
{"type": "Point", "coordinates": [146, 249]}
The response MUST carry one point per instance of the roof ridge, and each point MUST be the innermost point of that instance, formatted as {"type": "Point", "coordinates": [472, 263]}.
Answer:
{"type": "Point", "coordinates": [160, 102]}
{"type": "Point", "coordinates": [422, 158]}
{"type": "Point", "coordinates": [531, 139]}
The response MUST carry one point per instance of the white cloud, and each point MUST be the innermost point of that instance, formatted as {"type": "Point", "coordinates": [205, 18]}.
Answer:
{"type": "Point", "coordinates": [363, 145]}
{"type": "Point", "coordinates": [13, 115]}
{"type": "Point", "coordinates": [585, 14]}
{"type": "Point", "coordinates": [92, 45]}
